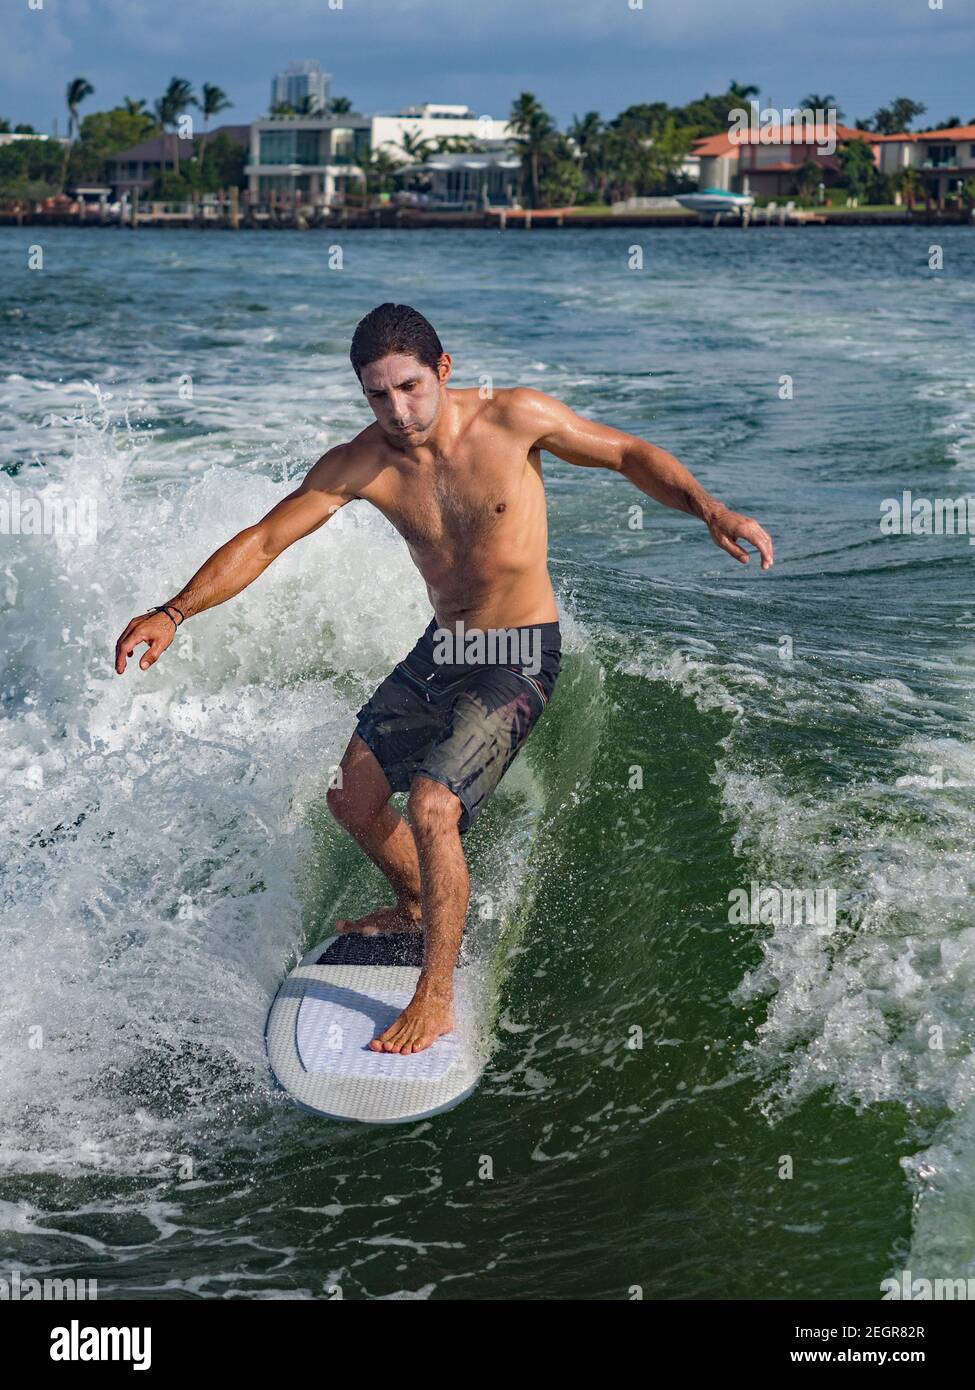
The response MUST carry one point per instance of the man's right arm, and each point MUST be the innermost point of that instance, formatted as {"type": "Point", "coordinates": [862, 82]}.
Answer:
{"type": "Point", "coordinates": [328, 485]}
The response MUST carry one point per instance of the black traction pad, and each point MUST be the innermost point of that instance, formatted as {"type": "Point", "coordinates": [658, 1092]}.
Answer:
{"type": "Point", "coordinates": [392, 948]}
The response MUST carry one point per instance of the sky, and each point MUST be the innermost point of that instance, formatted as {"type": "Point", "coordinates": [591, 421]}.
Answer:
{"type": "Point", "coordinates": [574, 55]}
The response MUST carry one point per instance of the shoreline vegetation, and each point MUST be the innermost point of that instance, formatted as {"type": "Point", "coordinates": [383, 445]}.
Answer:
{"type": "Point", "coordinates": [564, 178]}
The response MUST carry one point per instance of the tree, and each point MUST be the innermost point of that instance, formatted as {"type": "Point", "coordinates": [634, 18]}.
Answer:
{"type": "Point", "coordinates": [809, 177]}
{"type": "Point", "coordinates": [910, 185]}
{"type": "Point", "coordinates": [107, 132]}
{"type": "Point", "coordinates": [4, 126]}
{"type": "Point", "coordinates": [77, 90]}
{"type": "Point", "coordinates": [338, 106]}
{"type": "Point", "coordinates": [415, 146]}
{"type": "Point", "coordinates": [859, 169]}
{"type": "Point", "coordinates": [24, 130]}
{"type": "Point", "coordinates": [30, 170]}
{"type": "Point", "coordinates": [134, 108]}
{"type": "Point", "coordinates": [225, 164]}
{"type": "Point", "coordinates": [667, 153]}
{"type": "Point", "coordinates": [309, 106]}
{"type": "Point", "coordinates": [214, 101]}
{"type": "Point", "coordinates": [534, 133]}
{"type": "Point", "coordinates": [740, 93]}
{"type": "Point", "coordinates": [171, 106]}
{"type": "Point", "coordinates": [585, 134]}
{"type": "Point", "coordinates": [283, 108]}
{"type": "Point", "coordinates": [814, 102]}
{"type": "Point", "coordinates": [897, 117]}
{"type": "Point", "coordinates": [562, 182]}
{"type": "Point", "coordinates": [379, 169]}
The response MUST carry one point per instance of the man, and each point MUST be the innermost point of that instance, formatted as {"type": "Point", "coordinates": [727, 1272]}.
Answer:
{"type": "Point", "coordinates": [460, 478]}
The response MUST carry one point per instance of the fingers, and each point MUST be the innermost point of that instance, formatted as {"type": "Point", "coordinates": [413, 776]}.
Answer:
{"type": "Point", "coordinates": [137, 632]}
{"type": "Point", "coordinates": [726, 543]}
{"type": "Point", "coordinates": [149, 658]}
{"type": "Point", "coordinates": [125, 646]}
{"type": "Point", "coordinates": [759, 538]}
{"type": "Point", "coordinates": [746, 528]}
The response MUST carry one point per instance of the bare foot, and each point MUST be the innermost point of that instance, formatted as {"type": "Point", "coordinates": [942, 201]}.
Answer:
{"type": "Point", "coordinates": [419, 1025]}
{"type": "Point", "coordinates": [384, 921]}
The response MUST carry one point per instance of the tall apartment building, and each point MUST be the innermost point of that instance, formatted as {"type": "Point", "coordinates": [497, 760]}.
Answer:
{"type": "Point", "coordinates": [299, 81]}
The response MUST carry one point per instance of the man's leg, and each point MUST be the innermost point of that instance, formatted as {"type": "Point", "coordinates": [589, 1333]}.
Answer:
{"type": "Point", "coordinates": [434, 813]}
{"type": "Point", "coordinates": [362, 806]}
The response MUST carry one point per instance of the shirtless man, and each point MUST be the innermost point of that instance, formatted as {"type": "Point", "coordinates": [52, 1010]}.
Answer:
{"type": "Point", "coordinates": [460, 478]}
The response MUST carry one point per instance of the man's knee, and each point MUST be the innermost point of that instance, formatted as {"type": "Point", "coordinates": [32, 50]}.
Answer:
{"type": "Point", "coordinates": [433, 809]}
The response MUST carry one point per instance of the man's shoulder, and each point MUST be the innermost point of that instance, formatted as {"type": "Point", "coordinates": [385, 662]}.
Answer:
{"type": "Point", "coordinates": [348, 467]}
{"type": "Point", "coordinates": [524, 409]}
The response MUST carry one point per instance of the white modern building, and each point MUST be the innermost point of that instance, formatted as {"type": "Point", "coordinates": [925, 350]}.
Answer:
{"type": "Point", "coordinates": [463, 182]}
{"type": "Point", "coordinates": [317, 159]}
{"type": "Point", "coordinates": [308, 159]}
{"type": "Point", "coordinates": [432, 123]}
{"type": "Point", "coordinates": [298, 82]}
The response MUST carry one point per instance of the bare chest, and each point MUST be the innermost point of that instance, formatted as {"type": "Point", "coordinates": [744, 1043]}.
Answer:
{"type": "Point", "coordinates": [450, 506]}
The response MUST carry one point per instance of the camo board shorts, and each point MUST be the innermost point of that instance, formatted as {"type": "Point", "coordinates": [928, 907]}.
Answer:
{"type": "Point", "coordinates": [461, 723]}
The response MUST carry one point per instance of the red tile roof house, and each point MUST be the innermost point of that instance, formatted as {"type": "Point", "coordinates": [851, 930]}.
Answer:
{"type": "Point", "coordinates": [765, 162]}
{"type": "Point", "coordinates": [134, 170]}
{"type": "Point", "coordinates": [943, 158]}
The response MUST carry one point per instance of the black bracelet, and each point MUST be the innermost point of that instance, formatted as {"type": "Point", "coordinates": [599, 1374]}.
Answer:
{"type": "Point", "coordinates": [164, 608]}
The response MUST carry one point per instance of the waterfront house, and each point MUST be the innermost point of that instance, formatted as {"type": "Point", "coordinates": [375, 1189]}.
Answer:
{"type": "Point", "coordinates": [134, 170]}
{"type": "Point", "coordinates": [766, 161]}
{"type": "Point", "coordinates": [944, 159]}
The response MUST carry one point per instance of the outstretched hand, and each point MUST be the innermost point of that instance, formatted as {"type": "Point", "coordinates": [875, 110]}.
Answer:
{"type": "Point", "coordinates": [155, 629]}
{"type": "Point", "coordinates": [728, 527]}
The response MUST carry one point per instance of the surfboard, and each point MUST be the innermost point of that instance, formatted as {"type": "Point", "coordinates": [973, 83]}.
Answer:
{"type": "Point", "coordinates": [342, 994]}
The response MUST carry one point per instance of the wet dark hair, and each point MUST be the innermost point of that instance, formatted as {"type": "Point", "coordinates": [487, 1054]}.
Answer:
{"type": "Point", "coordinates": [394, 328]}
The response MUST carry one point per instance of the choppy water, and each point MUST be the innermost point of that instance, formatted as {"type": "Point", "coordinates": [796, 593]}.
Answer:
{"type": "Point", "coordinates": [167, 854]}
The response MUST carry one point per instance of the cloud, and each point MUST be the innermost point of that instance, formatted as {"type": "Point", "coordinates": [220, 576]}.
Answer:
{"type": "Point", "coordinates": [573, 54]}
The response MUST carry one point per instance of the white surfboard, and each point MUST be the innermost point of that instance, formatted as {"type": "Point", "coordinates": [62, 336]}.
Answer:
{"type": "Point", "coordinates": [340, 996]}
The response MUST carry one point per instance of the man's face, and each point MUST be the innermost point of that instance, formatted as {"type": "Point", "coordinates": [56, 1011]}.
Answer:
{"type": "Point", "coordinates": [405, 396]}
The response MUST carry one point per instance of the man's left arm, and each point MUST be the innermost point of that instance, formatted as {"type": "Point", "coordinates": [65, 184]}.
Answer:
{"type": "Point", "coordinates": [553, 426]}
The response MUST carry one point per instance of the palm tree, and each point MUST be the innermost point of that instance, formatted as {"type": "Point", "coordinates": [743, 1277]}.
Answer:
{"type": "Point", "coordinates": [910, 186]}
{"type": "Point", "coordinates": [171, 105]}
{"type": "Point", "coordinates": [740, 93]}
{"type": "Point", "coordinates": [133, 107]}
{"type": "Point", "coordinates": [309, 106]}
{"type": "Point", "coordinates": [379, 169]}
{"type": "Point", "coordinates": [415, 146]}
{"type": "Point", "coordinates": [814, 102]}
{"type": "Point", "coordinates": [338, 106]}
{"type": "Point", "coordinates": [78, 89]}
{"type": "Point", "coordinates": [214, 101]}
{"type": "Point", "coordinates": [534, 131]}
{"type": "Point", "coordinates": [585, 131]}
